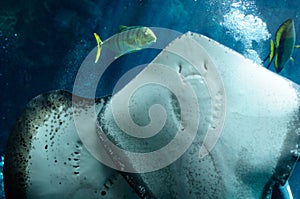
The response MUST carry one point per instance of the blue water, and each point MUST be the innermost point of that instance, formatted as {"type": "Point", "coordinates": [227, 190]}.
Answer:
{"type": "Point", "coordinates": [1, 177]}
{"type": "Point", "coordinates": [42, 43]}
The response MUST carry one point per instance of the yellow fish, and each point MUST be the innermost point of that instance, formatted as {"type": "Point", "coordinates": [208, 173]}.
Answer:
{"type": "Point", "coordinates": [99, 43]}
{"type": "Point", "coordinates": [130, 39]}
{"type": "Point", "coordinates": [282, 49]}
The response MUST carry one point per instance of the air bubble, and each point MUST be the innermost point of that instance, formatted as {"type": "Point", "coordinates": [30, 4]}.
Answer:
{"type": "Point", "coordinates": [142, 190]}
{"type": "Point", "coordinates": [297, 131]}
{"type": "Point", "coordinates": [296, 152]}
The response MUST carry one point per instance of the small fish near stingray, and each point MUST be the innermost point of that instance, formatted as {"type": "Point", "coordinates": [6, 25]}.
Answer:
{"type": "Point", "coordinates": [282, 49]}
{"type": "Point", "coordinates": [129, 39]}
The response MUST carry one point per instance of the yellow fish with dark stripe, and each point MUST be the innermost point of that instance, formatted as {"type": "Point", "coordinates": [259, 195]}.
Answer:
{"type": "Point", "coordinates": [130, 39]}
{"type": "Point", "coordinates": [282, 49]}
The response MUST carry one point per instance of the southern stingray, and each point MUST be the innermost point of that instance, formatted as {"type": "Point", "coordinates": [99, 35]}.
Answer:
{"type": "Point", "coordinates": [200, 121]}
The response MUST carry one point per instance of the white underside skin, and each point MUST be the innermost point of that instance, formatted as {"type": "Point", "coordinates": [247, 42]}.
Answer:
{"type": "Point", "coordinates": [251, 116]}
{"type": "Point", "coordinates": [256, 144]}
{"type": "Point", "coordinates": [46, 159]}
{"type": "Point", "coordinates": [66, 168]}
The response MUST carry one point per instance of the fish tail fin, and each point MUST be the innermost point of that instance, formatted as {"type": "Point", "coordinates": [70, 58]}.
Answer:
{"type": "Point", "coordinates": [99, 43]}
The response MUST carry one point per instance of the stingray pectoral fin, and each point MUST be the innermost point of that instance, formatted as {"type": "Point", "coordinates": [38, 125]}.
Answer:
{"type": "Point", "coordinates": [45, 157]}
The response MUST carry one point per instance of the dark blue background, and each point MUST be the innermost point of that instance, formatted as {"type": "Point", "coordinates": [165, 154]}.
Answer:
{"type": "Point", "coordinates": [42, 43]}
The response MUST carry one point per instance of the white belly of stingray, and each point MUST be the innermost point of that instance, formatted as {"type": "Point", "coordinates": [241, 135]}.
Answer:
{"type": "Point", "coordinates": [221, 127]}
{"type": "Point", "coordinates": [45, 157]}
{"type": "Point", "coordinates": [255, 111]}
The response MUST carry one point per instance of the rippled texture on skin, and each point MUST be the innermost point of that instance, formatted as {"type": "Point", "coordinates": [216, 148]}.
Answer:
{"type": "Point", "coordinates": [46, 159]}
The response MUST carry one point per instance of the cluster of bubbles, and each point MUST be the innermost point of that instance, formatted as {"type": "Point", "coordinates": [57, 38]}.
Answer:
{"type": "Point", "coordinates": [5, 41]}
{"type": "Point", "coordinates": [296, 151]}
{"type": "Point", "coordinates": [246, 27]}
